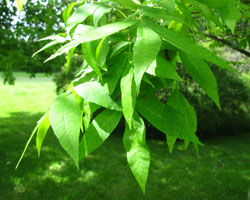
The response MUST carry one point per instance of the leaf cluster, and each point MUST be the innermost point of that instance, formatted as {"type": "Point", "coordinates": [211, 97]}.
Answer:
{"type": "Point", "coordinates": [130, 51]}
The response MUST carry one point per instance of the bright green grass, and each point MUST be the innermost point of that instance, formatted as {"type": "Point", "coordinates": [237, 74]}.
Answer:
{"type": "Point", "coordinates": [222, 173]}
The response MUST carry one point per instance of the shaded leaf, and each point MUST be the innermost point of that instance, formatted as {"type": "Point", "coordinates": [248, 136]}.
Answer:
{"type": "Point", "coordinates": [118, 48]}
{"type": "Point", "coordinates": [88, 50]}
{"type": "Point", "coordinates": [153, 111]}
{"type": "Point", "coordinates": [114, 72]}
{"type": "Point", "coordinates": [230, 14]}
{"type": "Point", "coordinates": [102, 51]}
{"type": "Point", "coordinates": [129, 4]}
{"type": "Point", "coordinates": [162, 68]}
{"type": "Point", "coordinates": [99, 130]}
{"type": "Point", "coordinates": [187, 45]}
{"type": "Point", "coordinates": [202, 74]}
{"type": "Point", "coordinates": [177, 119]}
{"type": "Point", "coordinates": [180, 119]}
{"type": "Point", "coordinates": [159, 14]}
{"type": "Point", "coordinates": [99, 13]}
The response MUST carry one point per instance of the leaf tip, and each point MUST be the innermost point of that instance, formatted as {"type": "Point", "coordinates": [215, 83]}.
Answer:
{"type": "Point", "coordinates": [171, 141]}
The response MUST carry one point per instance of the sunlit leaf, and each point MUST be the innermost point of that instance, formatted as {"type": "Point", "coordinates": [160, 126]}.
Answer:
{"type": "Point", "coordinates": [44, 125]}
{"type": "Point", "coordinates": [138, 154]}
{"type": "Point", "coordinates": [65, 118]}
{"type": "Point", "coordinates": [145, 50]}
{"type": "Point", "coordinates": [94, 92]}
{"type": "Point", "coordinates": [19, 4]}
{"type": "Point", "coordinates": [95, 34]}
{"type": "Point", "coordinates": [69, 57]}
{"type": "Point", "coordinates": [67, 11]}
{"type": "Point", "coordinates": [128, 94]}
{"type": "Point", "coordinates": [80, 14]}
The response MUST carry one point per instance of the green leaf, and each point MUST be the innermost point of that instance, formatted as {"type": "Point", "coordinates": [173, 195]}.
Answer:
{"type": "Point", "coordinates": [87, 114]}
{"type": "Point", "coordinates": [138, 154]}
{"type": "Point", "coordinates": [118, 48]}
{"type": "Point", "coordinates": [30, 138]}
{"type": "Point", "coordinates": [114, 72]}
{"type": "Point", "coordinates": [129, 4]}
{"type": "Point", "coordinates": [27, 144]}
{"type": "Point", "coordinates": [185, 11]}
{"type": "Point", "coordinates": [177, 119]}
{"type": "Point", "coordinates": [99, 130]}
{"type": "Point", "coordinates": [102, 51]}
{"type": "Point", "coordinates": [19, 4]}
{"type": "Point", "coordinates": [162, 68]}
{"type": "Point", "coordinates": [80, 14]}
{"type": "Point", "coordinates": [145, 50]}
{"type": "Point", "coordinates": [180, 119]}
{"type": "Point", "coordinates": [128, 94]}
{"type": "Point", "coordinates": [159, 14]}
{"type": "Point", "coordinates": [52, 43]}
{"type": "Point", "coordinates": [153, 111]}
{"type": "Point", "coordinates": [202, 74]}
{"type": "Point", "coordinates": [187, 45]}
{"type": "Point", "coordinates": [57, 39]}
{"type": "Point", "coordinates": [65, 118]}
{"type": "Point", "coordinates": [95, 34]}
{"type": "Point", "coordinates": [44, 125]}
{"type": "Point", "coordinates": [88, 50]}
{"type": "Point", "coordinates": [230, 15]}
{"type": "Point", "coordinates": [81, 29]}
{"type": "Point", "coordinates": [99, 13]}
{"type": "Point", "coordinates": [168, 5]}
{"type": "Point", "coordinates": [208, 12]}
{"type": "Point", "coordinates": [95, 93]}
{"type": "Point", "coordinates": [69, 57]}
{"type": "Point", "coordinates": [67, 11]}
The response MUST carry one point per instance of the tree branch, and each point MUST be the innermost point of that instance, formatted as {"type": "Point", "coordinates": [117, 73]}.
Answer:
{"type": "Point", "coordinates": [246, 53]}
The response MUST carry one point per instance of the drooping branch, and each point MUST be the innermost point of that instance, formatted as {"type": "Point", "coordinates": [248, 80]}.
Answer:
{"type": "Point", "coordinates": [243, 51]}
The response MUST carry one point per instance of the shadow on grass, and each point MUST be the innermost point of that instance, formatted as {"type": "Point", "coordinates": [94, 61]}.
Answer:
{"type": "Point", "coordinates": [222, 171]}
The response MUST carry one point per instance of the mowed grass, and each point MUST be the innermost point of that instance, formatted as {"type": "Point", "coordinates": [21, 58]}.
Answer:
{"type": "Point", "coordinates": [222, 171]}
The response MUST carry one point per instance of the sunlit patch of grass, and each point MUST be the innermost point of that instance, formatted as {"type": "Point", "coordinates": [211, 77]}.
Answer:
{"type": "Point", "coordinates": [222, 170]}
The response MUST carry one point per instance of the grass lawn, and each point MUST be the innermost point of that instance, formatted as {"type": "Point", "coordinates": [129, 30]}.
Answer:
{"type": "Point", "coordinates": [222, 171]}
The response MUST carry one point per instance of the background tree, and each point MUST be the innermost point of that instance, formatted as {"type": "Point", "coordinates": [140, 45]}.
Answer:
{"type": "Point", "coordinates": [20, 33]}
